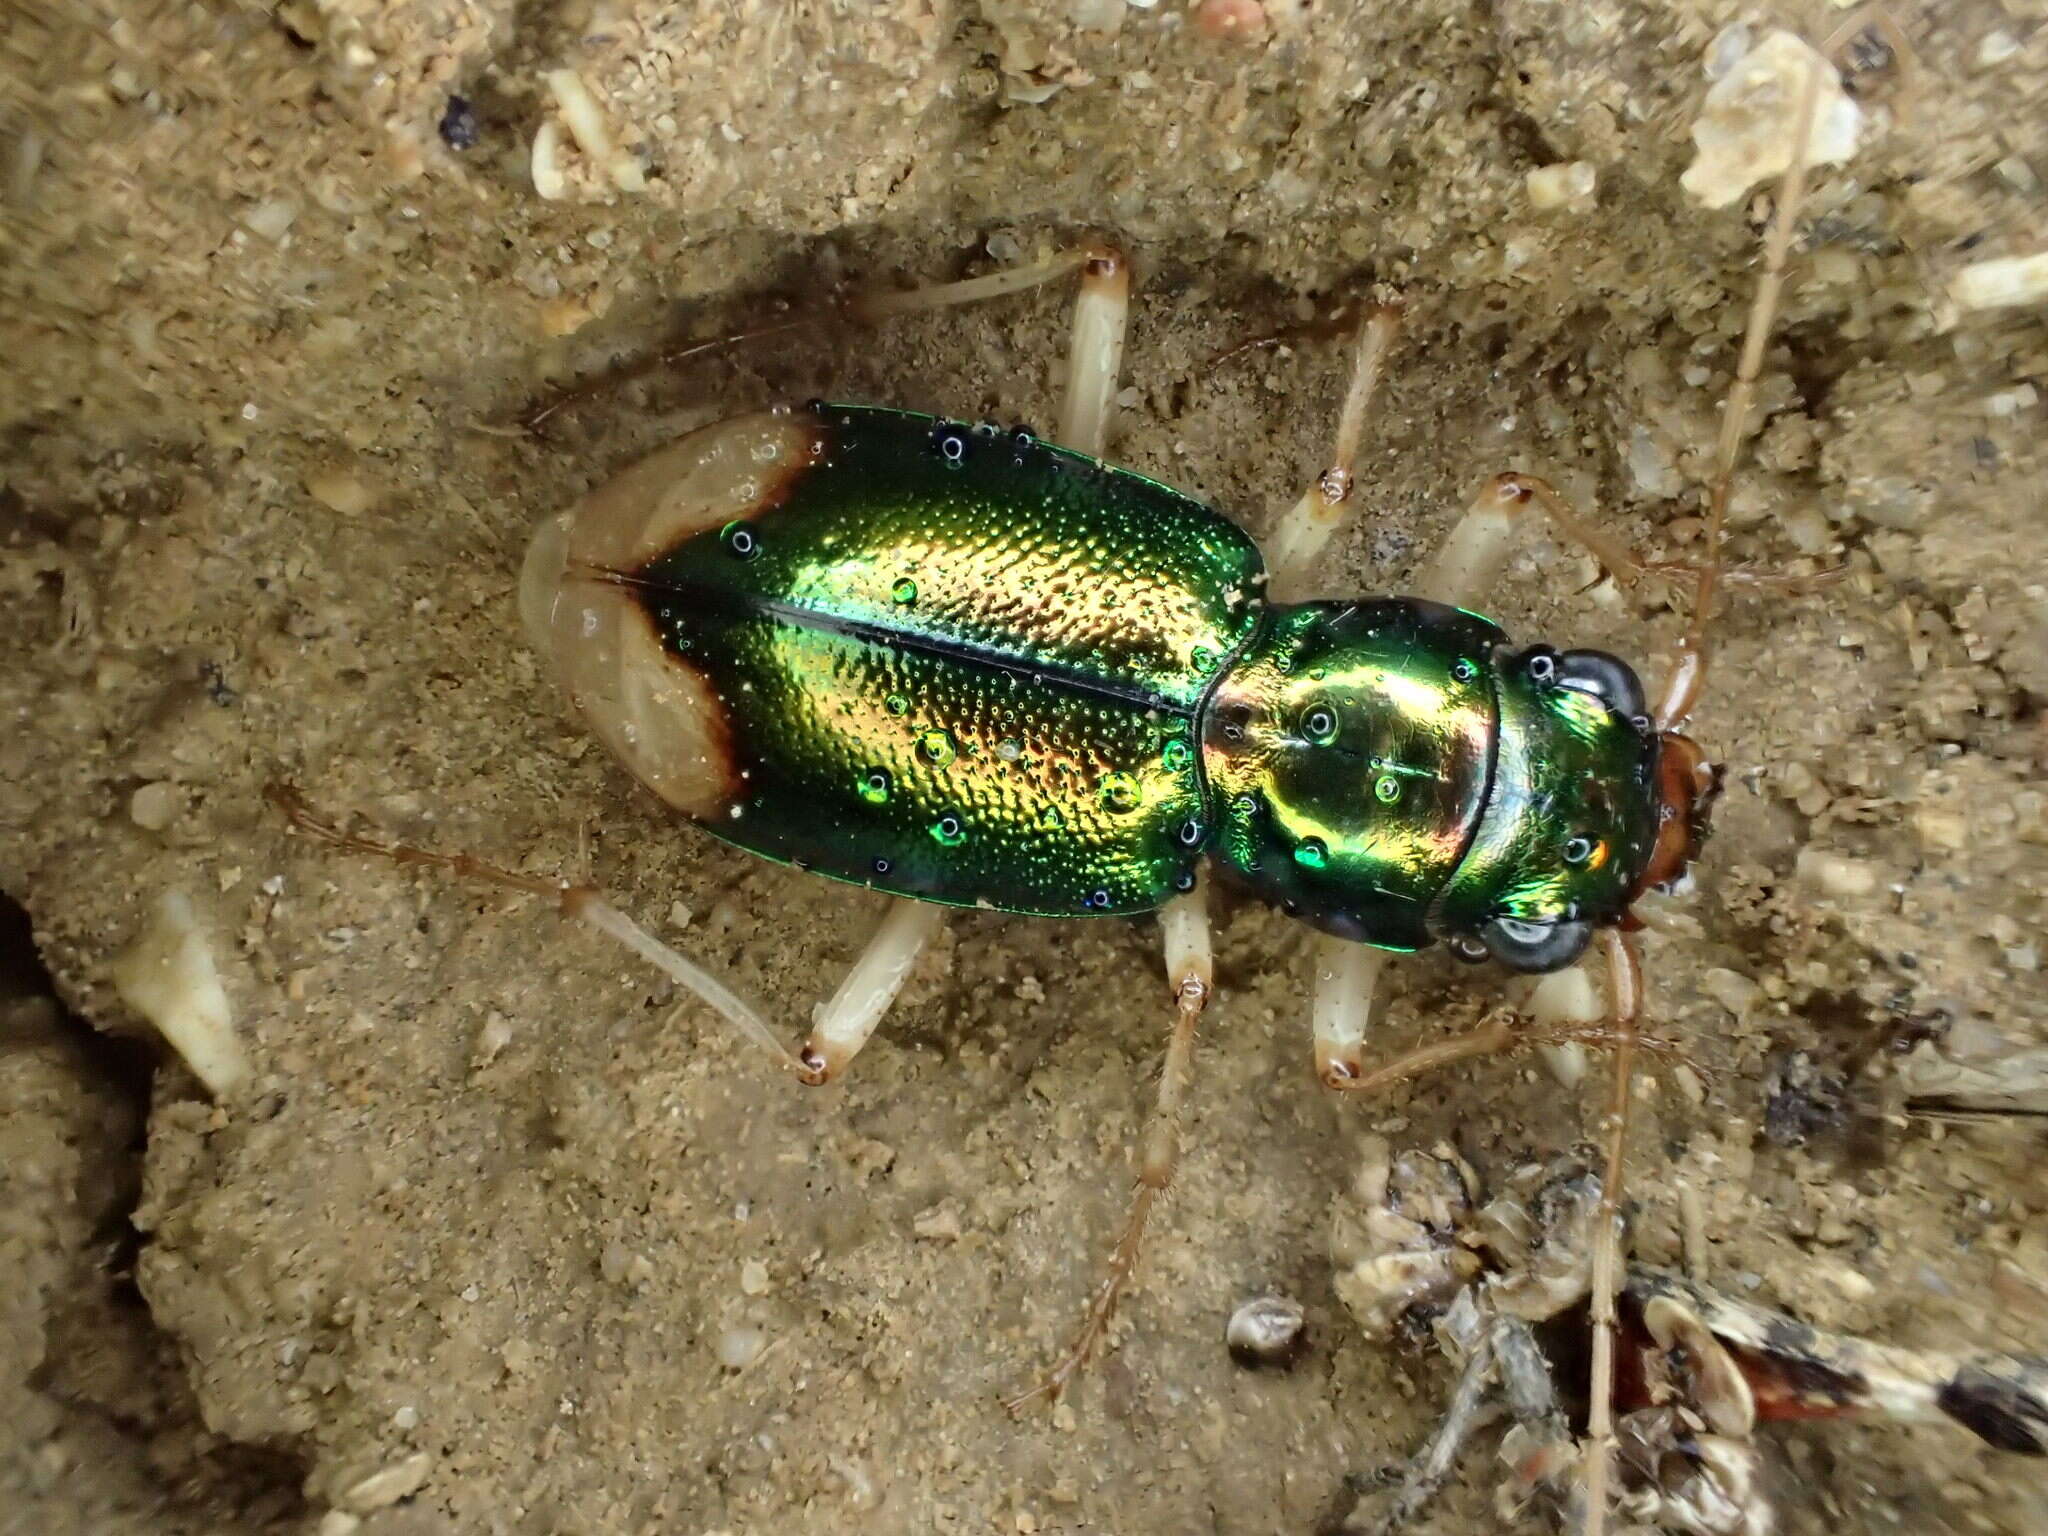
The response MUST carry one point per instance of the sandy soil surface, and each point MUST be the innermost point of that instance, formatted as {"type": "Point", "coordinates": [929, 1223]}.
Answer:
{"type": "Point", "coordinates": [465, 1252]}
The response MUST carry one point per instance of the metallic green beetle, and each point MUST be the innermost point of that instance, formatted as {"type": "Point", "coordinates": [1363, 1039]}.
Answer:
{"type": "Point", "coordinates": [967, 666]}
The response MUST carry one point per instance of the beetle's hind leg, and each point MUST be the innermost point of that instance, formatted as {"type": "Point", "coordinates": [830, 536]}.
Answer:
{"type": "Point", "coordinates": [1092, 365]}
{"type": "Point", "coordinates": [1190, 974]}
{"type": "Point", "coordinates": [842, 1026]}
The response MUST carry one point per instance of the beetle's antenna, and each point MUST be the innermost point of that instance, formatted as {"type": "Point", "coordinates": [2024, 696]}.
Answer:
{"type": "Point", "coordinates": [1687, 681]}
{"type": "Point", "coordinates": [1682, 691]}
{"type": "Point", "coordinates": [655, 362]}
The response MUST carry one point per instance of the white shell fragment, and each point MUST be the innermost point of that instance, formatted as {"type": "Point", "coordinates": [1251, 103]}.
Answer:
{"type": "Point", "coordinates": [388, 1484]}
{"type": "Point", "coordinates": [155, 806]}
{"type": "Point", "coordinates": [548, 179]}
{"type": "Point", "coordinates": [1267, 1331]}
{"type": "Point", "coordinates": [2004, 283]}
{"type": "Point", "coordinates": [167, 975]}
{"type": "Point", "coordinates": [1746, 126]}
{"type": "Point", "coordinates": [1566, 185]}
{"type": "Point", "coordinates": [738, 1348]}
{"type": "Point", "coordinates": [1562, 999]}
{"type": "Point", "coordinates": [591, 128]}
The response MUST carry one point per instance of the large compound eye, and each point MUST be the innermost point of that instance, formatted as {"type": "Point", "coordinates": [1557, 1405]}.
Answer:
{"type": "Point", "coordinates": [1533, 947]}
{"type": "Point", "coordinates": [1608, 678]}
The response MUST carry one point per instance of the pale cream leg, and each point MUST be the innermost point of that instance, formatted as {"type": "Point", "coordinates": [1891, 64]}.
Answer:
{"type": "Point", "coordinates": [1298, 538]}
{"type": "Point", "coordinates": [1468, 563]}
{"type": "Point", "coordinates": [1625, 1002]}
{"type": "Point", "coordinates": [1096, 352]}
{"type": "Point", "coordinates": [1347, 975]}
{"type": "Point", "coordinates": [1190, 975]}
{"type": "Point", "coordinates": [843, 1025]}
{"type": "Point", "coordinates": [1094, 358]}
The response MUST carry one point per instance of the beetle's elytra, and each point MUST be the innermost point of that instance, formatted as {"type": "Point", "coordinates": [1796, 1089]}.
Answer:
{"type": "Point", "coordinates": [967, 666]}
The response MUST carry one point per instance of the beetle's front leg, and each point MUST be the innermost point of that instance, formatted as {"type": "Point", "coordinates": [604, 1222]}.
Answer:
{"type": "Point", "coordinates": [1190, 973]}
{"type": "Point", "coordinates": [1347, 976]}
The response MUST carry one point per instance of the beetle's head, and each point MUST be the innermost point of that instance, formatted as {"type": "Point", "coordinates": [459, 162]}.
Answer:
{"type": "Point", "coordinates": [1589, 806]}
{"type": "Point", "coordinates": [1386, 770]}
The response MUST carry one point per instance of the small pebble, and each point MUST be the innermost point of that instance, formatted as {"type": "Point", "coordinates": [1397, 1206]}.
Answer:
{"type": "Point", "coordinates": [1996, 47]}
{"type": "Point", "coordinates": [386, 1486]}
{"type": "Point", "coordinates": [495, 1035]}
{"type": "Point", "coordinates": [754, 1278]}
{"type": "Point", "coordinates": [155, 806]}
{"type": "Point", "coordinates": [1732, 990]}
{"type": "Point", "coordinates": [271, 219]}
{"type": "Point", "coordinates": [459, 127]}
{"type": "Point", "coordinates": [1835, 875]}
{"type": "Point", "coordinates": [739, 1348]}
{"type": "Point", "coordinates": [1941, 831]}
{"type": "Point", "coordinates": [1689, 1084]}
{"type": "Point", "coordinates": [1233, 20]}
{"type": "Point", "coordinates": [340, 491]}
{"type": "Point", "coordinates": [2005, 282]}
{"type": "Point", "coordinates": [1569, 185]}
{"type": "Point", "coordinates": [1267, 1332]}
{"type": "Point", "coordinates": [1852, 1283]}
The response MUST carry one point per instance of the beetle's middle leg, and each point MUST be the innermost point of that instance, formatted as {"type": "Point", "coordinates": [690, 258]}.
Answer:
{"type": "Point", "coordinates": [1190, 973]}
{"type": "Point", "coordinates": [1303, 530]}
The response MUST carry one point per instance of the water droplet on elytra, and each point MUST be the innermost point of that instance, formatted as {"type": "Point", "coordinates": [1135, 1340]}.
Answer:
{"type": "Point", "coordinates": [1176, 754]}
{"type": "Point", "coordinates": [903, 590]}
{"type": "Point", "coordinates": [1121, 792]}
{"type": "Point", "coordinates": [1312, 853]}
{"type": "Point", "coordinates": [873, 785]}
{"type": "Point", "coordinates": [896, 704]}
{"type": "Point", "coordinates": [935, 748]}
{"type": "Point", "coordinates": [949, 832]}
